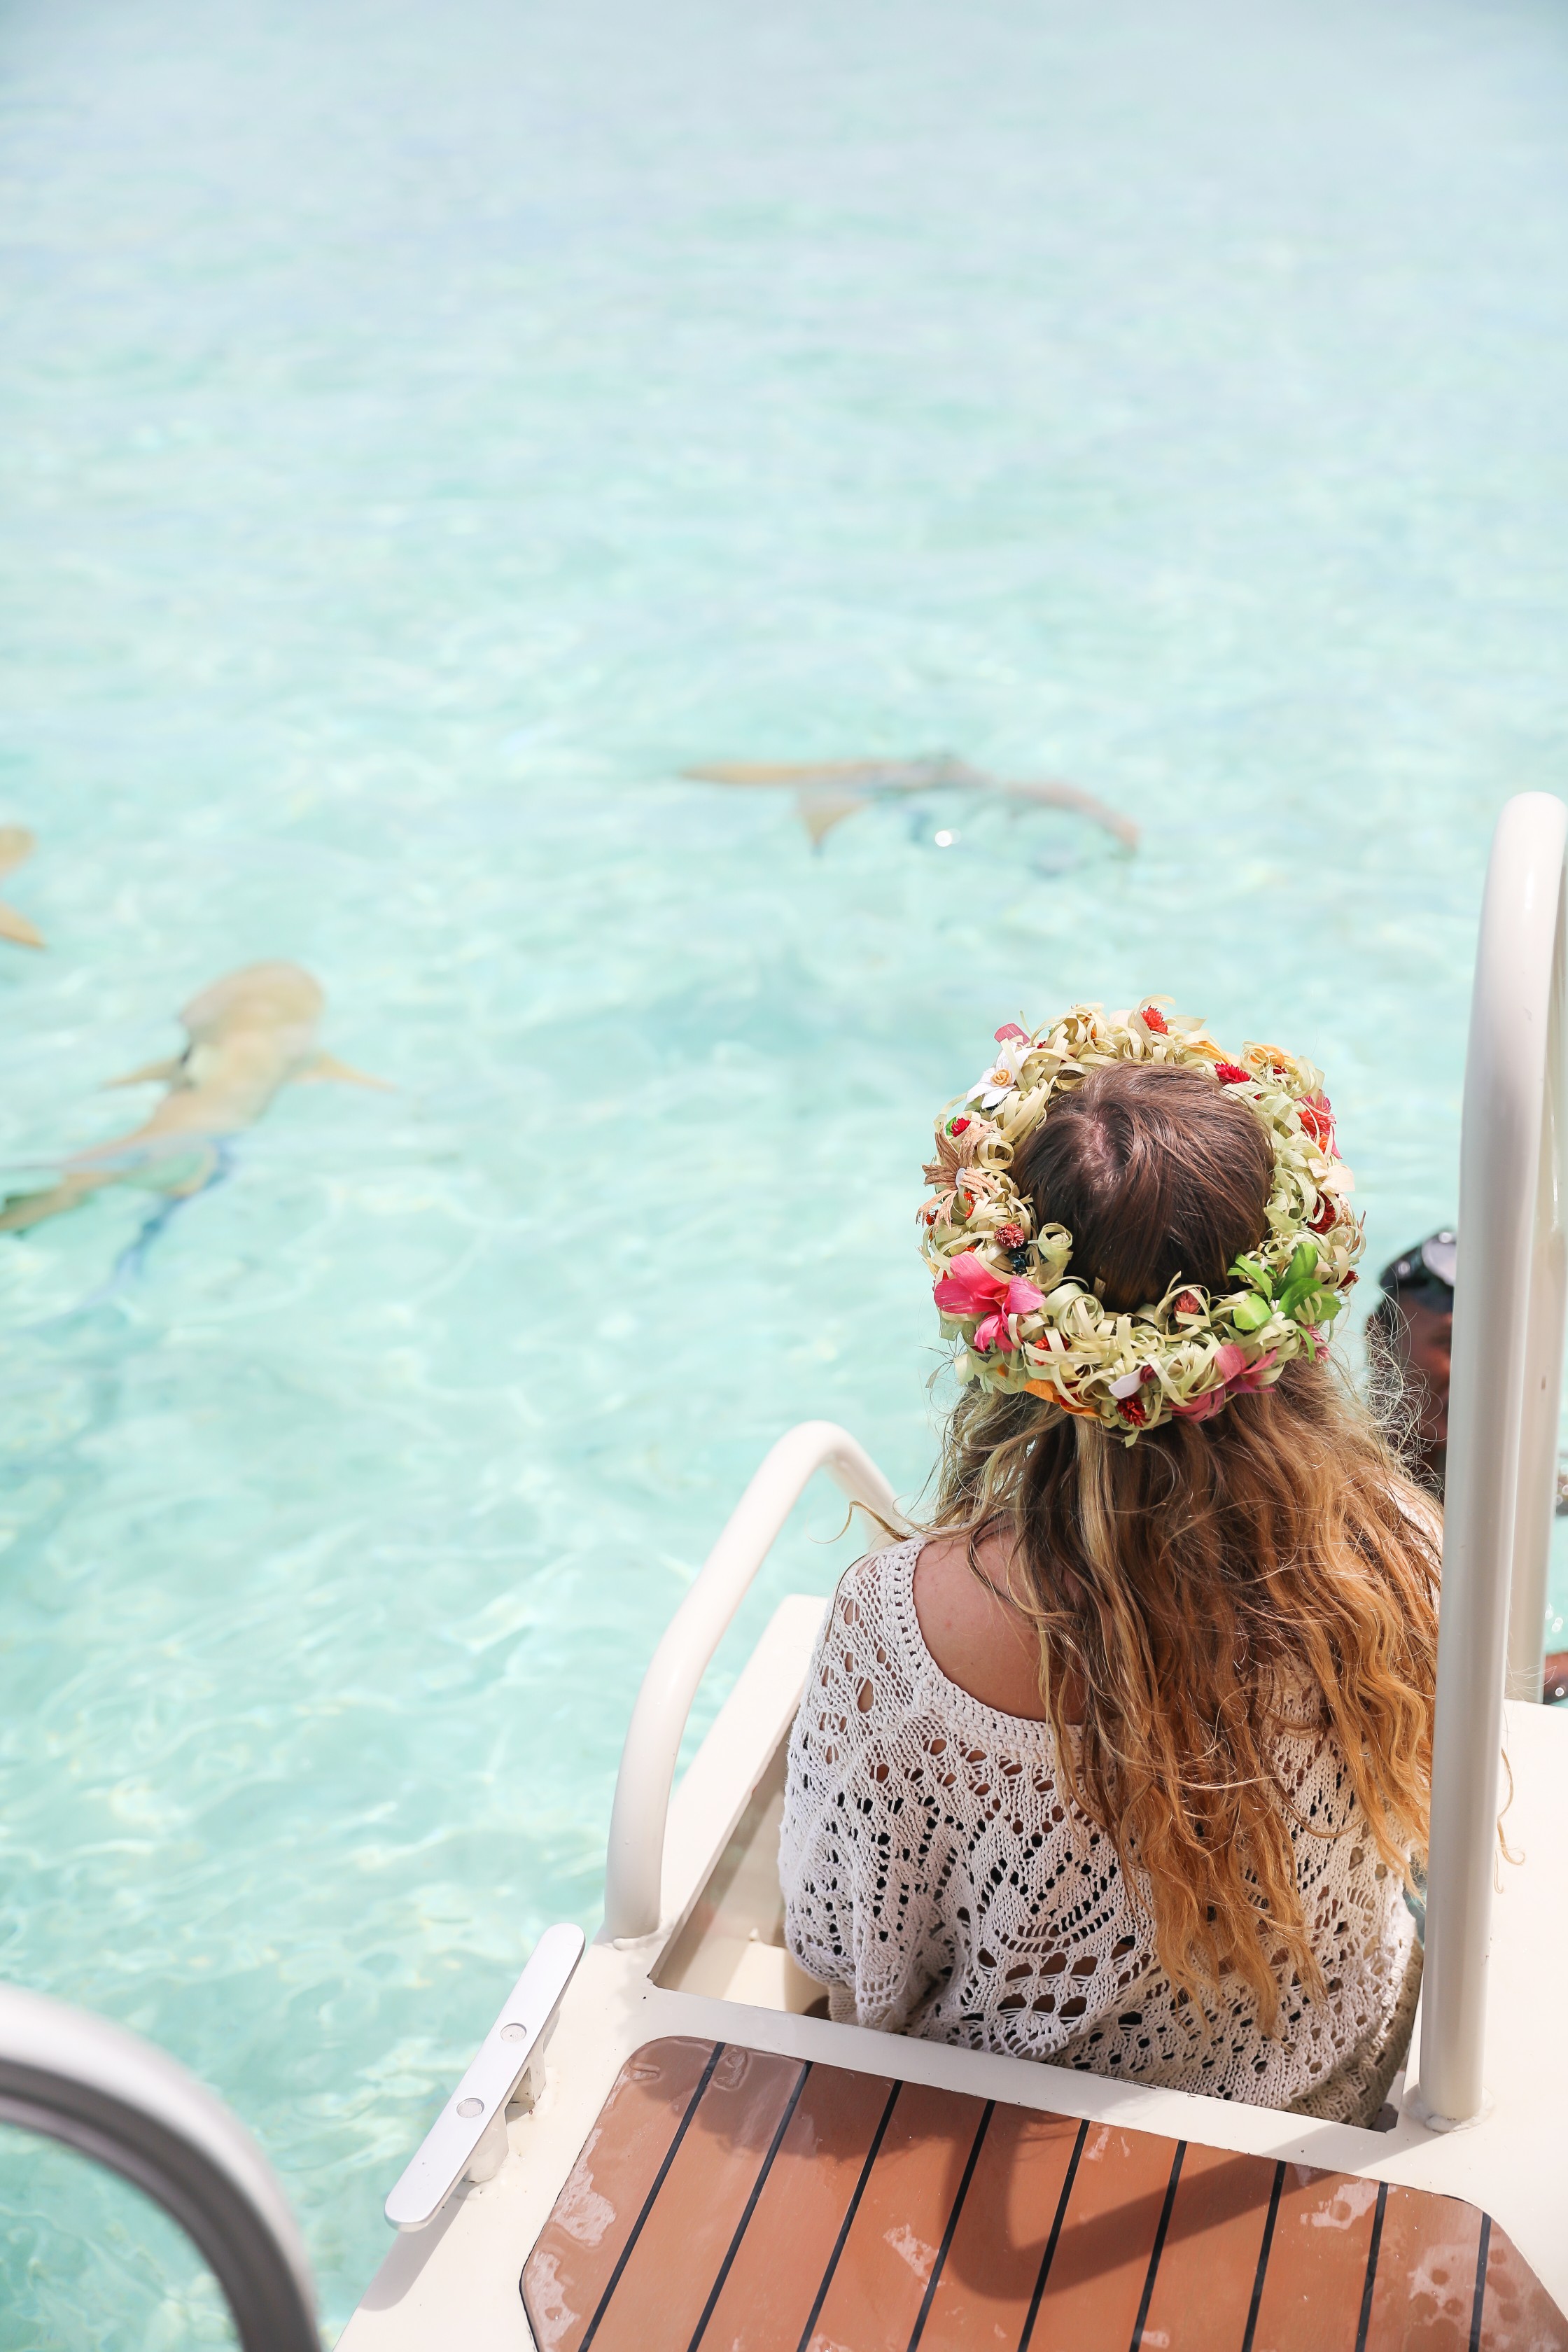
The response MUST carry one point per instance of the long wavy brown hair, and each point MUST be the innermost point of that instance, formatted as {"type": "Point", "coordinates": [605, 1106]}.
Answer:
{"type": "Point", "coordinates": [1196, 1592]}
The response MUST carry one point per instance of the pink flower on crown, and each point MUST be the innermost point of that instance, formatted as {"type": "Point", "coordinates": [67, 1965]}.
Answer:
{"type": "Point", "coordinates": [1240, 1379]}
{"type": "Point", "coordinates": [969, 1287]}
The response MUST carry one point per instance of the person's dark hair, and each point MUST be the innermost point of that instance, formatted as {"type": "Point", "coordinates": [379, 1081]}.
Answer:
{"type": "Point", "coordinates": [1159, 1174]}
{"type": "Point", "coordinates": [1196, 1589]}
{"type": "Point", "coordinates": [1419, 1276]}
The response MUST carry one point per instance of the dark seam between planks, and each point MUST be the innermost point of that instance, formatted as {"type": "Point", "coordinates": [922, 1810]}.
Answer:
{"type": "Point", "coordinates": [1365, 2321]}
{"type": "Point", "coordinates": [871, 2155]}
{"type": "Point", "coordinates": [936, 2270]}
{"type": "Point", "coordinates": [659, 2180]}
{"type": "Point", "coordinates": [1263, 2253]}
{"type": "Point", "coordinates": [1479, 2304]}
{"type": "Point", "coordinates": [1159, 2246]}
{"type": "Point", "coordinates": [744, 2222]}
{"type": "Point", "coordinates": [1048, 2257]}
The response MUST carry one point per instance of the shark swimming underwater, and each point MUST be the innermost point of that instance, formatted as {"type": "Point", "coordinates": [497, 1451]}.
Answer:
{"type": "Point", "coordinates": [251, 1034]}
{"type": "Point", "coordinates": [16, 843]}
{"type": "Point", "coordinates": [825, 795]}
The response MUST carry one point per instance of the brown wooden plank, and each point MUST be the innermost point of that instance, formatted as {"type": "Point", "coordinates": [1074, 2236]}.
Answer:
{"type": "Point", "coordinates": [1518, 2315]}
{"type": "Point", "coordinates": [671, 2270]}
{"type": "Point", "coordinates": [1424, 2296]}
{"type": "Point", "coordinates": [879, 2283]}
{"type": "Point", "coordinates": [987, 2283]}
{"type": "Point", "coordinates": [1203, 2288]}
{"type": "Point", "coordinates": [595, 2213]}
{"type": "Point", "coordinates": [783, 2258]}
{"type": "Point", "coordinates": [1316, 2276]}
{"type": "Point", "coordinates": [1094, 2283]}
{"type": "Point", "coordinates": [744, 2201]}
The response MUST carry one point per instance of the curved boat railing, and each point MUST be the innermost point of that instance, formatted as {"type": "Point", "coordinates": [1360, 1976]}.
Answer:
{"type": "Point", "coordinates": [77, 2078]}
{"type": "Point", "coordinates": [1504, 1402]}
{"type": "Point", "coordinates": [634, 1872]}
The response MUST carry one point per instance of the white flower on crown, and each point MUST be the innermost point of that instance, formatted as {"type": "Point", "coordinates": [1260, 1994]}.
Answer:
{"type": "Point", "coordinates": [999, 1081]}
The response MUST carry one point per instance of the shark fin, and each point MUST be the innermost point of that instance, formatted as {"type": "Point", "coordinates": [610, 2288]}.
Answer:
{"type": "Point", "coordinates": [15, 842]}
{"type": "Point", "coordinates": [820, 812]}
{"type": "Point", "coordinates": [16, 927]}
{"type": "Point", "coordinates": [164, 1072]}
{"type": "Point", "coordinates": [18, 1211]}
{"type": "Point", "coordinates": [321, 1067]}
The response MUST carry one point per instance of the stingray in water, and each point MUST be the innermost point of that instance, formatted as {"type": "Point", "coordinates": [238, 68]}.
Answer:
{"type": "Point", "coordinates": [249, 1035]}
{"type": "Point", "coordinates": [825, 795]}
{"type": "Point", "coordinates": [16, 843]}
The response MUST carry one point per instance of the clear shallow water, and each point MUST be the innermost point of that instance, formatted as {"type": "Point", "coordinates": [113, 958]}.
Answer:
{"type": "Point", "coordinates": [426, 431]}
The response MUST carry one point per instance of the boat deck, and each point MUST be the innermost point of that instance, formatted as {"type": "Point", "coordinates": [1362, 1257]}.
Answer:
{"type": "Point", "coordinates": [731, 2200]}
{"type": "Point", "coordinates": [662, 2219]}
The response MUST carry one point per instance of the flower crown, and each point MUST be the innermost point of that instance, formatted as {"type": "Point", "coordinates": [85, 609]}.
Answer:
{"type": "Point", "coordinates": [1003, 1291]}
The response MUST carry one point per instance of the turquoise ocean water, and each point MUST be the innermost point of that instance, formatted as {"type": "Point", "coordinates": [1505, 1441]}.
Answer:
{"type": "Point", "coordinates": [424, 431]}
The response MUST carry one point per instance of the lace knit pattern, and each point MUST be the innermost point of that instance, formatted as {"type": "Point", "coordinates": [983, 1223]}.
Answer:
{"type": "Point", "coordinates": [938, 1880]}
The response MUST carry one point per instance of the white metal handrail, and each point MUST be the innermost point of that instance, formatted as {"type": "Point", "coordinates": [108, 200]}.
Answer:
{"type": "Point", "coordinates": [1502, 1421]}
{"type": "Point", "coordinates": [633, 1870]}
{"type": "Point", "coordinates": [118, 2099]}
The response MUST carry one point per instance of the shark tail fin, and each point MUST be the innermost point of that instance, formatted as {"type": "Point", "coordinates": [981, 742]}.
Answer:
{"type": "Point", "coordinates": [1067, 796]}
{"type": "Point", "coordinates": [324, 1066]}
{"type": "Point", "coordinates": [166, 1072]}
{"type": "Point", "coordinates": [16, 927]}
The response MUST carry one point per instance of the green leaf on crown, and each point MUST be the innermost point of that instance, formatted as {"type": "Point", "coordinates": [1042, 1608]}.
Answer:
{"type": "Point", "coordinates": [1250, 1270]}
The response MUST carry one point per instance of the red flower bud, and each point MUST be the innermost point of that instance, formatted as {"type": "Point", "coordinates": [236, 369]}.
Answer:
{"type": "Point", "coordinates": [1327, 1211]}
{"type": "Point", "coordinates": [1230, 1074]}
{"type": "Point", "coordinates": [1317, 1119]}
{"type": "Point", "coordinates": [956, 1126]}
{"type": "Point", "coordinates": [1011, 1236]}
{"type": "Point", "coordinates": [1188, 1303]}
{"type": "Point", "coordinates": [1154, 1019]}
{"type": "Point", "coordinates": [1130, 1410]}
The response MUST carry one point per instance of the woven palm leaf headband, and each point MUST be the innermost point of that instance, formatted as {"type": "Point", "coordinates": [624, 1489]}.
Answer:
{"type": "Point", "coordinates": [1002, 1290]}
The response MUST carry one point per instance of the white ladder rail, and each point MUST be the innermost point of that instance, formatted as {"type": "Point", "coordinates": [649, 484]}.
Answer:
{"type": "Point", "coordinates": [1502, 1423]}
{"type": "Point", "coordinates": [634, 1869]}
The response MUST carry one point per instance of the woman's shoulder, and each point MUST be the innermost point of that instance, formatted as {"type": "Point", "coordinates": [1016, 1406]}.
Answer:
{"type": "Point", "coordinates": [876, 1592]}
{"type": "Point", "coordinates": [914, 1626]}
{"type": "Point", "coordinates": [870, 1635]}
{"type": "Point", "coordinates": [973, 1628]}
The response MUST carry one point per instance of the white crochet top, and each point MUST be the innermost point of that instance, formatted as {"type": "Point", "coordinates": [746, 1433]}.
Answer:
{"type": "Point", "coordinates": [937, 1882]}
